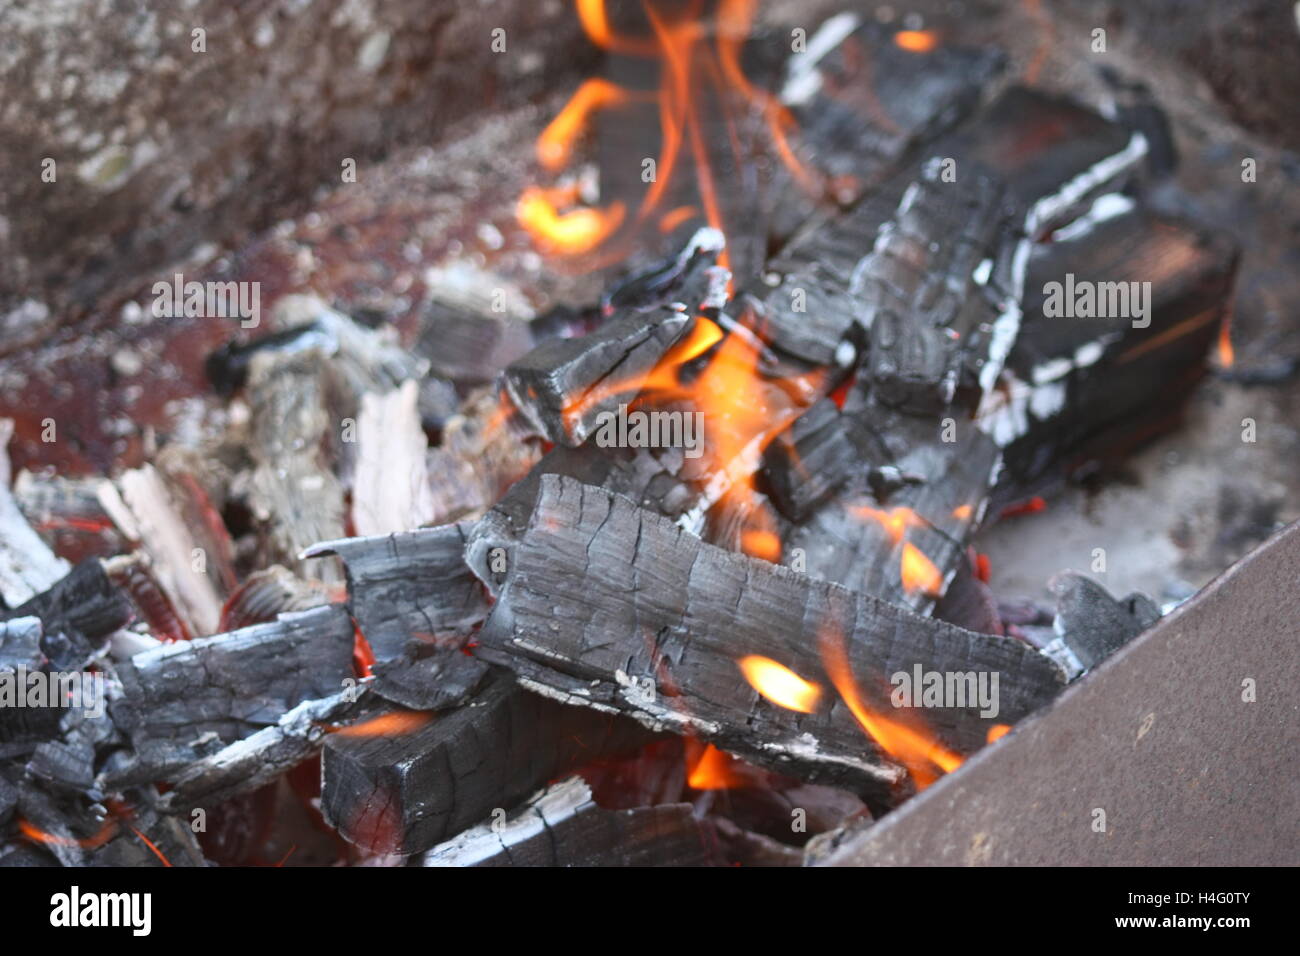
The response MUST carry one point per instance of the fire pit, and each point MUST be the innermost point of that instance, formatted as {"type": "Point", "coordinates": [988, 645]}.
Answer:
{"type": "Point", "coordinates": [763, 437]}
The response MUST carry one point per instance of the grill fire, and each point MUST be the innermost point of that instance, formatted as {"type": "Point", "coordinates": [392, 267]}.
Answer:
{"type": "Point", "coordinates": [691, 571]}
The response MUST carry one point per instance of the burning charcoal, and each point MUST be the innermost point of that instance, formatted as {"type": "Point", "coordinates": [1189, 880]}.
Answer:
{"type": "Point", "coordinates": [564, 384]}
{"type": "Point", "coordinates": [406, 792]}
{"type": "Point", "coordinates": [411, 591]}
{"type": "Point", "coordinates": [470, 349]}
{"type": "Point", "coordinates": [268, 593]}
{"type": "Point", "coordinates": [70, 512]}
{"type": "Point", "coordinates": [77, 614]}
{"type": "Point", "coordinates": [561, 826]}
{"type": "Point", "coordinates": [184, 701]}
{"type": "Point", "coordinates": [440, 680]}
{"type": "Point", "coordinates": [683, 283]}
{"type": "Point", "coordinates": [257, 760]}
{"type": "Point", "coordinates": [929, 322]}
{"type": "Point", "coordinates": [1091, 625]}
{"type": "Point", "coordinates": [8, 800]}
{"type": "Point", "coordinates": [20, 644]}
{"type": "Point", "coordinates": [27, 565]}
{"type": "Point", "coordinates": [861, 101]}
{"type": "Point", "coordinates": [591, 576]}
{"type": "Point", "coordinates": [809, 462]}
{"type": "Point", "coordinates": [744, 848]}
{"type": "Point", "coordinates": [904, 549]}
{"type": "Point", "coordinates": [1078, 387]}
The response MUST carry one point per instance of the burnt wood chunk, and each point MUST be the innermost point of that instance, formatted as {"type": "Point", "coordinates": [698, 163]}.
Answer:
{"type": "Point", "coordinates": [256, 760]}
{"type": "Point", "coordinates": [1084, 384]}
{"type": "Point", "coordinates": [814, 457]}
{"type": "Point", "coordinates": [930, 498]}
{"type": "Point", "coordinates": [861, 102]}
{"type": "Point", "coordinates": [562, 826]}
{"type": "Point", "coordinates": [561, 386]}
{"type": "Point", "coordinates": [185, 701]}
{"type": "Point", "coordinates": [77, 614]}
{"type": "Point", "coordinates": [404, 793]}
{"type": "Point", "coordinates": [416, 603]}
{"type": "Point", "coordinates": [471, 349]}
{"type": "Point", "coordinates": [410, 590]}
{"type": "Point", "coordinates": [610, 606]}
{"type": "Point", "coordinates": [932, 323]}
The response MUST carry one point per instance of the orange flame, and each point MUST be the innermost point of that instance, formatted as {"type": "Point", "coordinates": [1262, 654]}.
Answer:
{"type": "Point", "coordinates": [1226, 354]}
{"type": "Point", "coordinates": [919, 573]}
{"type": "Point", "coordinates": [689, 66]}
{"type": "Point", "coordinates": [997, 732]}
{"type": "Point", "coordinates": [575, 231]}
{"type": "Point", "coordinates": [386, 725]}
{"type": "Point", "coordinates": [779, 684]}
{"type": "Point", "coordinates": [896, 521]}
{"type": "Point", "coordinates": [713, 769]}
{"type": "Point", "coordinates": [923, 756]}
{"type": "Point", "coordinates": [916, 41]}
{"type": "Point", "coordinates": [102, 836]}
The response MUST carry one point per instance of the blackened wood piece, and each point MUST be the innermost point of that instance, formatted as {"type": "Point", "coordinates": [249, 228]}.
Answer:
{"type": "Point", "coordinates": [410, 591]}
{"type": "Point", "coordinates": [928, 317]}
{"type": "Point", "coordinates": [811, 460]}
{"type": "Point", "coordinates": [562, 826]}
{"type": "Point", "coordinates": [471, 349]}
{"type": "Point", "coordinates": [405, 793]}
{"type": "Point", "coordinates": [561, 386]}
{"type": "Point", "coordinates": [857, 538]}
{"type": "Point", "coordinates": [183, 701]}
{"type": "Point", "coordinates": [864, 104]}
{"type": "Point", "coordinates": [1051, 154]}
{"type": "Point", "coordinates": [77, 613]}
{"type": "Point", "coordinates": [257, 760]}
{"type": "Point", "coordinates": [1094, 625]}
{"type": "Point", "coordinates": [1080, 389]}
{"type": "Point", "coordinates": [610, 606]}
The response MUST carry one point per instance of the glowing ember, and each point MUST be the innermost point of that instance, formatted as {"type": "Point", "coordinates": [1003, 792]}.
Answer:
{"type": "Point", "coordinates": [713, 769]}
{"type": "Point", "coordinates": [896, 521]}
{"type": "Point", "coordinates": [919, 573]}
{"type": "Point", "coordinates": [997, 732]}
{"type": "Point", "coordinates": [387, 725]}
{"type": "Point", "coordinates": [916, 41]}
{"type": "Point", "coordinates": [1226, 354]}
{"type": "Point", "coordinates": [779, 684]}
{"type": "Point", "coordinates": [923, 756]}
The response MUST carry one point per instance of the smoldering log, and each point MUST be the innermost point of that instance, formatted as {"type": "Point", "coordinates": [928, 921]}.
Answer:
{"type": "Point", "coordinates": [862, 536]}
{"type": "Point", "coordinates": [416, 604]}
{"type": "Point", "coordinates": [1083, 387]}
{"type": "Point", "coordinates": [77, 615]}
{"type": "Point", "coordinates": [861, 102]}
{"type": "Point", "coordinates": [562, 826]}
{"type": "Point", "coordinates": [610, 606]}
{"type": "Point", "coordinates": [1051, 155]}
{"type": "Point", "coordinates": [564, 384]}
{"type": "Point", "coordinates": [471, 349]}
{"type": "Point", "coordinates": [258, 759]}
{"type": "Point", "coordinates": [405, 793]}
{"type": "Point", "coordinates": [181, 702]}
{"type": "Point", "coordinates": [814, 457]}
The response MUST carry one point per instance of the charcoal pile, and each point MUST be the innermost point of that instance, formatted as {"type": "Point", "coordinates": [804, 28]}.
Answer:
{"type": "Point", "coordinates": [687, 575]}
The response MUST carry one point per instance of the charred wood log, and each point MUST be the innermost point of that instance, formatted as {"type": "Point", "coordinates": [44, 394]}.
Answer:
{"type": "Point", "coordinates": [564, 384]}
{"type": "Point", "coordinates": [403, 794]}
{"type": "Point", "coordinates": [182, 702]}
{"type": "Point", "coordinates": [77, 615]}
{"type": "Point", "coordinates": [27, 565]}
{"type": "Point", "coordinates": [562, 826]}
{"type": "Point", "coordinates": [1088, 383]}
{"type": "Point", "coordinates": [610, 606]}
